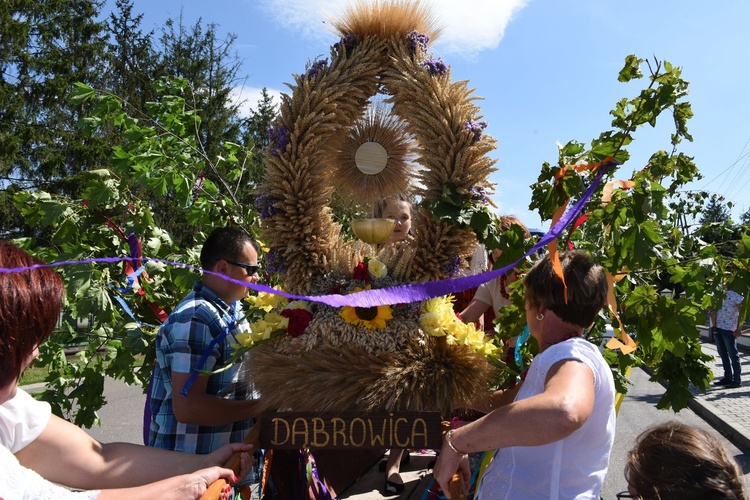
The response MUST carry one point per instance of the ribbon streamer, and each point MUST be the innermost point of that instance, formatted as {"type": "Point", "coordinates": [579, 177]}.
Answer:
{"type": "Point", "coordinates": [413, 292]}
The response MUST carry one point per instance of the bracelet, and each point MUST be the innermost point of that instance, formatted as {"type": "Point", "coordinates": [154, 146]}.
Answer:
{"type": "Point", "coordinates": [448, 440]}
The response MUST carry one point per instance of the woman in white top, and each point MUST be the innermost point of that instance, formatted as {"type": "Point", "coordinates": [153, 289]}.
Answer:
{"type": "Point", "coordinates": [554, 439]}
{"type": "Point", "coordinates": [41, 451]}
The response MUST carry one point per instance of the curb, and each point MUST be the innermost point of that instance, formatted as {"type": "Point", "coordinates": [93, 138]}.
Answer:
{"type": "Point", "coordinates": [734, 432]}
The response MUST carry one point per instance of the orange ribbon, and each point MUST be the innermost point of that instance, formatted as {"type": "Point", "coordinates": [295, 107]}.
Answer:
{"type": "Point", "coordinates": [552, 246]}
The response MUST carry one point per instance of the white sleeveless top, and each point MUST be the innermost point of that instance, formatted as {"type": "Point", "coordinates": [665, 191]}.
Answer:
{"type": "Point", "coordinates": [573, 467]}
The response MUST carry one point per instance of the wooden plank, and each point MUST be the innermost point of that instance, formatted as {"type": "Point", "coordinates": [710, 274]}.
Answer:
{"type": "Point", "coordinates": [341, 431]}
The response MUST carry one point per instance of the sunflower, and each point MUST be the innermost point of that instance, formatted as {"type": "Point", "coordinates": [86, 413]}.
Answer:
{"type": "Point", "coordinates": [373, 318]}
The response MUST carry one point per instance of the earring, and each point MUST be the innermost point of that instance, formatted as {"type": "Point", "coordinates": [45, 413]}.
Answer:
{"type": "Point", "coordinates": [539, 317]}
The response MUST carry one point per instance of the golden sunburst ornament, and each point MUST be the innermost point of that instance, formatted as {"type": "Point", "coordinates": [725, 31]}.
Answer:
{"type": "Point", "coordinates": [374, 160]}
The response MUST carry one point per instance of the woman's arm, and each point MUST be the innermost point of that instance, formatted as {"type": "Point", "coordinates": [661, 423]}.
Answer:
{"type": "Point", "coordinates": [563, 407]}
{"type": "Point", "coordinates": [187, 486]}
{"type": "Point", "coordinates": [65, 454]}
{"type": "Point", "coordinates": [474, 311]}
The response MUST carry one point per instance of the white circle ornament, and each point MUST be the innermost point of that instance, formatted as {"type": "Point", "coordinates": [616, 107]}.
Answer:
{"type": "Point", "coordinates": [371, 158]}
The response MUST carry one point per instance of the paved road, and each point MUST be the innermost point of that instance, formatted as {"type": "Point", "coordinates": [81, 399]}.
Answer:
{"type": "Point", "coordinates": [122, 421]}
{"type": "Point", "coordinates": [637, 413]}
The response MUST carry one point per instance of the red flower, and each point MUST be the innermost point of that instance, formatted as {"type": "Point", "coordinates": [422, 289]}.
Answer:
{"type": "Point", "coordinates": [360, 272]}
{"type": "Point", "coordinates": [298, 320]}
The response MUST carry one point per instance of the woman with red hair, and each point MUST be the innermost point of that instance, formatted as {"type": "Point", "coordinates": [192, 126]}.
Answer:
{"type": "Point", "coordinates": [41, 451]}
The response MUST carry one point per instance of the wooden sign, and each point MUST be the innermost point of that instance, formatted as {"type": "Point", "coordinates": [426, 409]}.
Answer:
{"type": "Point", "coordinates": [298, 430]}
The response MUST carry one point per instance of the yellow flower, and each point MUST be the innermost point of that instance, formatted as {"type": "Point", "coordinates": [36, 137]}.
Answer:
{"type": "Point", "coordinates": [267, 301]}
{"type": "Point", "coordinates": [374, 318]}
{"type": "Point", "coordinates": [245, 339]}
{"type": "Point", "coordinates": [377, 269]}
{"type": "Point", "coordinates": [263, 328]}
{"type": "Point", "coordinates": [432, 323]}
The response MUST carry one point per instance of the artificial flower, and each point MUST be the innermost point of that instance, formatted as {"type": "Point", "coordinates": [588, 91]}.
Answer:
{"type": "Point", "coordinates": [360, 272]}
{"type": "Point", "coordinates": [298, 319]}
{"type": "Point", "coordinates": [376, 269]}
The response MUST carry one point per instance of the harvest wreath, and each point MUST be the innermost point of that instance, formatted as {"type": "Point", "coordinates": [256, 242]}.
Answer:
{"type": "Point", "coordinates": [409, 357]}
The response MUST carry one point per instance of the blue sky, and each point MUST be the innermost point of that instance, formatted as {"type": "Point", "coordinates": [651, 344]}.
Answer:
{"type": "Point", "coordinates": [547, 71]}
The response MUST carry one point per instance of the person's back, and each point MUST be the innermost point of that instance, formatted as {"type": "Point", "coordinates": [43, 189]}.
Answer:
{"type": "Point", "coordinates": [575, 464]}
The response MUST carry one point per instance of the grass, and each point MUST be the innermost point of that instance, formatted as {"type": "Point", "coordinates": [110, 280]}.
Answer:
{"type": "Point", "coordinates": [33, 374]}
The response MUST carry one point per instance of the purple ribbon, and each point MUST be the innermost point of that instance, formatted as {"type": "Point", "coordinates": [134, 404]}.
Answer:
{"type": "Point", "coordinates": [402, 294]}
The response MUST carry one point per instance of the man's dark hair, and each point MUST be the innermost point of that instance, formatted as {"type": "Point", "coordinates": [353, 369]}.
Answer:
{"type": "Point", "coordinates": [225, 243]}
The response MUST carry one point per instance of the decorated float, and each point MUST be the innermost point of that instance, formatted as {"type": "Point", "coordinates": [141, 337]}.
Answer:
{"type": "Point", "coordinates": [379, 117]}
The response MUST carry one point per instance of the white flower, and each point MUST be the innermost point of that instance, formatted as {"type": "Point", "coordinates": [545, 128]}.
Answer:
{"type": "Point", "coordinates": [298, 304]}
{"type": "Point", "coordinates": [376, 269]}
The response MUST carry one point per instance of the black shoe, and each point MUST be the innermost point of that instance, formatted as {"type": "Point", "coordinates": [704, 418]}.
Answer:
{"type": "Point", "coordinates": [724, 381]}
{"type": "Point", "coordinates": [734, 385]}
{"type": "Point", "coordinates": [392, 488]}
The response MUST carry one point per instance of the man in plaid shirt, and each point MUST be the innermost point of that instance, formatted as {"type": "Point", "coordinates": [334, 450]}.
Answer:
{"type": "Point", "coordinates": [215, 409]}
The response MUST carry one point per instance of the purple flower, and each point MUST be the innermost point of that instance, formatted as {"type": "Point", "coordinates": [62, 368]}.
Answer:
{"type": "Point", "coordinates": [416, 40]}
{"type": "Point", "coordinates": [265, 205]}
{"type": "Point", "coordinates": [274, 262]}
{"type": "Point", "coordinates": [278, 139]}
{"type": "Point", "coordinates": [478, 193]}
{"type": "Point", "coordinates": [436, 66]}
{"type": "Point", "coordinates": [475, 129]}
{"type": "Point", "coordinates": [453, 266]}
{"type": "Point", "coordinates": [316, 68]}
{"type": "Point", "coordinates": [347, 43]}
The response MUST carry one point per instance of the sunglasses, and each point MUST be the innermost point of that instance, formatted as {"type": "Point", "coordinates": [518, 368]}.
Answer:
{"type": "Point", "coordinates": [250, 269]}
{"type": "Point", "coordinates": [626, 494]}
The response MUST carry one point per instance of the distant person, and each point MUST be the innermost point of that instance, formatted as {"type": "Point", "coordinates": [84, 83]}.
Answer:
{"type": "Point", "coordinates": [554, 439]}
{"type": "Point", "coordinates": [198, 335]}
{"type": "Point", "coordinates": [674, 461]}
{"type": "Point", "coordinates": [727, 328]}
{"type": "Point", "coordinates": [493, 295]}
{"type": "Point", "coordinates": [399, 208]}
{"type": "Point", "coordinates": [42, 456]}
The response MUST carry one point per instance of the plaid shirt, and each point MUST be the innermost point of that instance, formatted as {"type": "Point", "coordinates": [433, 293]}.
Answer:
{"type": "Point", "coordinates": [181, 342]}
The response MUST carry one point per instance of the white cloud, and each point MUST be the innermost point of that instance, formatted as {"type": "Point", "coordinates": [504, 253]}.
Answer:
{"type": "Point", "coordinates": [250, 96]}
{"type": "Point", "coordinates": [469, 28]}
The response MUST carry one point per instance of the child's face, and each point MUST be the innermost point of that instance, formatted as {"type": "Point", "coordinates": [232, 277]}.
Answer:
{"type": "Point", "coordinates": [400, 211]}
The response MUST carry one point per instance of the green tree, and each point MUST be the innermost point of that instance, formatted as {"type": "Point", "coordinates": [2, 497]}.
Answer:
{"type": "Point", "coordinates": [99, 223]}
{"type": "Point", "coordinates": [637, 235]}
{"type": "Point", "coordinates": [131, 58]}
{"type": "Point", "coordinates": [255, 136]}
{"type": "Point", "coordinates": [44, 48]}
{"type": "Point", "coordinates": [716, 225]}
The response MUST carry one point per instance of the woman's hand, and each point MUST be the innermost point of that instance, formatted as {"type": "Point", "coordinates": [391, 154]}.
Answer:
{"type": "Point", "coordinates": [196, 484]}
{"type": "Point", "coordinates": [447, 464]}
{"type": "Point", "coordinates": [223, 454]}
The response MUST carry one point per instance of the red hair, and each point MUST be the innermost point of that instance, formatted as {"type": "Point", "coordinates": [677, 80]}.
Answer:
{"type": "Point", "coordinates": [30, 303]}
